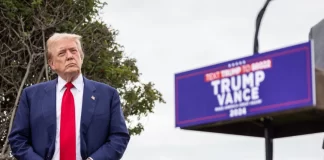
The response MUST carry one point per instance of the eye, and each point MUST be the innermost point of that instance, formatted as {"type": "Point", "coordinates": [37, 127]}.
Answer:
{"type": "Point", "coordinates": [61, 54]}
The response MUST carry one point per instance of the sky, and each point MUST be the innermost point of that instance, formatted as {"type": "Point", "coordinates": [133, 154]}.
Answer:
{"type": "Point", "coordinates": [172, 36]}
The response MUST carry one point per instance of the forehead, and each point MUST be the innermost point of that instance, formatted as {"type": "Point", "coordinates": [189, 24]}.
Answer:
{"type": "Point", "coordinates": [64, 44]}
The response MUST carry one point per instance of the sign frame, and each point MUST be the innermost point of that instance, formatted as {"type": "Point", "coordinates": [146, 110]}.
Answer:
{"type": "Point", "coordinates": [307, 47]}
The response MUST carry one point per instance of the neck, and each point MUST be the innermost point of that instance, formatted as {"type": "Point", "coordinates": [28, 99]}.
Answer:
{"type": "Point", "coordinates": [69, 77]}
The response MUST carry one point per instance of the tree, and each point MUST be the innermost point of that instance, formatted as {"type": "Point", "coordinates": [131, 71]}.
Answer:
{"type": "Point", "coordinates": [25, 25]}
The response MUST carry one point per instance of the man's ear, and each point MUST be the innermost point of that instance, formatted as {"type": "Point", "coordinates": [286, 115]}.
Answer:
{"type": "Point", "coordinates": [51, 64]}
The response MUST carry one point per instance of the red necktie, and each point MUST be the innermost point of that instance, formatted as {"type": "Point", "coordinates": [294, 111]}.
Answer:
{"type": "Point", "coordinates": [67, 131]}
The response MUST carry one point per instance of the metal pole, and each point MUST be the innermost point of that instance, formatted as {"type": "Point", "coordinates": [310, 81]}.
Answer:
{"type": "Point", "coordinates": [257, 27]}
{"type": "Point", "coordinates": [268, 130]}
{"type": "Point", "coordinates": [268, 134]}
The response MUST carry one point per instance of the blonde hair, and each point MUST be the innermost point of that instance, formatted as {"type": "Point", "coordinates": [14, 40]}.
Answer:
{"type": "Point", "coordinates": [59, 36]}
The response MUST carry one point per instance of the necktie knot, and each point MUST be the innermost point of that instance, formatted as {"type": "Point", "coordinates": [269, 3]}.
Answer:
{"type": "Point", "coordinates": [68, 85]}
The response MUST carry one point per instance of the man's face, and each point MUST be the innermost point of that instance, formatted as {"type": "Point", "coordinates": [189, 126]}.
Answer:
{"type": "Point", "coordinates": [65, 58]}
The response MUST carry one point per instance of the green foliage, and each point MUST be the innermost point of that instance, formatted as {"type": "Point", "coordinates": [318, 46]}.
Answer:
{"type": "Point", "coordinates": [25, 25]}
{"type": "Point", "coordinates": [107, 63]}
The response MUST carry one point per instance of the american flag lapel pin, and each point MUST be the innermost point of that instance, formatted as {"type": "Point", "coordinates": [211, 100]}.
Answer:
{"type": "Point", "coordinates": [93, 98]}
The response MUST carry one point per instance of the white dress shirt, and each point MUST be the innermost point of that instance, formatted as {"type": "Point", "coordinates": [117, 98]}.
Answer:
{"type": "Point", "coordinates": [77, 92]}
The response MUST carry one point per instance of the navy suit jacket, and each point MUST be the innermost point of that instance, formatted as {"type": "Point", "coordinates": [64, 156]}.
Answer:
{"type": "Point", "coordinates": [103, 132]}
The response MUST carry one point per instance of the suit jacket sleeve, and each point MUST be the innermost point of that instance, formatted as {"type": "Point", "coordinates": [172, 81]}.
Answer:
{"type": "Point", "coordinates": [19, 138]}
{"type": "Point", "coordinates": [119, 137]}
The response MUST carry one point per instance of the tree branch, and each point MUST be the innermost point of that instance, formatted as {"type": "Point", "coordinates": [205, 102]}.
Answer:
{"type": "Point", "coordinates": [16, 103]}
{"type": "Point", "coordinates": [45, 56]}
{"type": "Point", "coordinates": [41, 74]}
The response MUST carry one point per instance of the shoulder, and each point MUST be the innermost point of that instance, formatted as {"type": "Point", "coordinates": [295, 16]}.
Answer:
{"type": "Point", "coordinates": [102, 86]}
{"type": "Point", "coordinates": [40, 86]}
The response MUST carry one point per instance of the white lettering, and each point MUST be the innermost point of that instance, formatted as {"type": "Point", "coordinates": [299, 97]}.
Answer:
{"type": "Point", "coordinates": [237, 112]}
{"type": "Point", "coordinates": [225, 85]}
{"type": "Point", "coordinates": [238, 91]}
{"type": "Point", "coordinates": [259, 77]}
{"type": "Point", "coordinates": [221, 98]}
{"type": "Point", "coordinates": [236, 86]}
{"type": "Point", "coordinates": [255, 93]}
{"type": "Point", "coordinates": [215, 85]}
{"type": "Point", "coordinates": [246, 97]}
{"type": "Point", "coordinates": [247, 79]}
{"type": "Point", "coordinates": [237, 96]}
{"type": "Point", "coordinates": [229, 99]}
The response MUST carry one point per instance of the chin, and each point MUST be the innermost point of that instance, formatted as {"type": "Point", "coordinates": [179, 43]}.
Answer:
{"type": "Point", "coordinates": [72, 71]}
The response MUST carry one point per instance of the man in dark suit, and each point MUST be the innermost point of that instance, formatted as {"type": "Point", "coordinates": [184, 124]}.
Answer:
{"type": "Point", "coordinates": [71, 117]}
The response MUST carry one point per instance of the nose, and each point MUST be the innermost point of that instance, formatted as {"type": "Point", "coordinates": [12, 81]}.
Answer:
{"type": "Point", "coordinates": [69, 55]}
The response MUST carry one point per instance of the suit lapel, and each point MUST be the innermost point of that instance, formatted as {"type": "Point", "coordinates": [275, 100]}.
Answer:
{"type": "Point", "coordinates": [88, 104]}
{"type": "Point", "coordinates": [49, 111]}
{"type": "Point", "coordinates": [88, 107]}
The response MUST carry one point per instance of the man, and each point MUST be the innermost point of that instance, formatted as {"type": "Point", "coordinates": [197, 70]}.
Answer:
{"type": "Point", "coordinates": [71, 117]}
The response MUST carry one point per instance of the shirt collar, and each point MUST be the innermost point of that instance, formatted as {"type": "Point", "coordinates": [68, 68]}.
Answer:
{"type": "Point", "coordinates": [77, 83]}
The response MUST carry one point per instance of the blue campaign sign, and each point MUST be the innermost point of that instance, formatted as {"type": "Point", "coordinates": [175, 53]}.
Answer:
{"type": "Point", "coordinates": [257, 85]}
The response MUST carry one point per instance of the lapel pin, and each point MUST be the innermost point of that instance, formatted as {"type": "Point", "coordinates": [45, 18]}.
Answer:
{"type": "Point", "coordinates": [93, 98]}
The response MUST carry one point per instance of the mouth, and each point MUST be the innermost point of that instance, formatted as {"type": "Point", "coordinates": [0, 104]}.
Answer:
{"type": "Point", "coordinates": [71, 65]}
